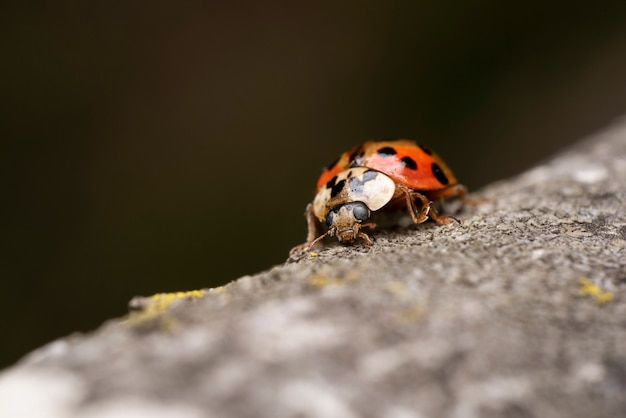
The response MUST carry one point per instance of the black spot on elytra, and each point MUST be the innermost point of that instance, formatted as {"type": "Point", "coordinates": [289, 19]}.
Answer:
{"type": "Point", "coordinates": [386, 152]}
{"type": "Point", "coordinates": [356, 158]}
{"type": "Point", "coordinates": [426, 150]}
{"type": "Point", "coordinates": [331, 182]}
{"type": "Point", "coordinates": [439, 175]}
{"type": "Point", "coordinates": [337, 188]}
{"type": "Point", "coordinates": [333, 164]}
{"type": "Point", "coordinates": [409, 163]}
{"type": "Point", "coordinates": [369, 175]}
{"type": "Point", "coordinates": [357, 183]}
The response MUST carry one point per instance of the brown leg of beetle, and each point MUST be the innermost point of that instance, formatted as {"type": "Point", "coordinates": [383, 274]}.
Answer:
{"type": "Point", "coordinates": [427, 211]}
{"type": "Point", "coordinates": [312, 223]}
{"type": "Point", "coordinates": [459, 191]}
{"type": "Point", "coordinates": [410, 196]}
{"type": "Point", "coordinates": [442, 219]}
{"type": "Point", "coordinates": [370, 225]}
{"type": "Point", "coordinates": [366, 239]}
{"type": "Point", "coordinates": [313, 233]}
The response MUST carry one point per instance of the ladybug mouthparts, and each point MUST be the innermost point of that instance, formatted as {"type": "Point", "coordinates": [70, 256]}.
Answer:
{"type": "Point", "coordinates": [348, 235]}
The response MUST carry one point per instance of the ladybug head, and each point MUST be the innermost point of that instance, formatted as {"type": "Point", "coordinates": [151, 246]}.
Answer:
{"type": "Point", "coordinates": [346, 220]}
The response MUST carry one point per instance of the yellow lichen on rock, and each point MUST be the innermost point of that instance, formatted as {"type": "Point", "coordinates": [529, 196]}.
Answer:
{"type": "Point", "coordinates": [395, 287]}
{"type": "Point", "coordinates": [320, 281]}
{"type": "Point", "coordinates": [410, 314]}
{"type": "Point", "coordinates": [158, 304]}
{"type": "Point", "coordinates": [588, 288]}
{"type": "Point", "coordinates": [161, 301]}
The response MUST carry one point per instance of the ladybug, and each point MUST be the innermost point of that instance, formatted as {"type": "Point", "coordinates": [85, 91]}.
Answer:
{"type": "Point", "coordinates": [378, 176]}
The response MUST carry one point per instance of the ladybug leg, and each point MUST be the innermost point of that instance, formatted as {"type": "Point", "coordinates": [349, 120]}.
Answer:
{"type": "Point", "coordinates": [313, 234]}
{"type": "Point", "coordinates": [426, 211]}
{"type": "Point", "coordinates": [410, 196]}
{"type": "Point", "coordinates": [460, 191]}
{"type": "Point", "coordinates": [441, 219]}
{"type": "Point", "coordinates": [368, 241]}
{"type": "Point", "coordinates": [432, 213]}
{"type": "Point", "coordinates": [370, 225]}
{"type": "Point", "coordinates": [312, 224]}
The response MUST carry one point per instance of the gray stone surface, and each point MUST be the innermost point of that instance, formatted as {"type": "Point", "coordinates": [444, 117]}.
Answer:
{"type": "Point", "coordinates": [518, 312]}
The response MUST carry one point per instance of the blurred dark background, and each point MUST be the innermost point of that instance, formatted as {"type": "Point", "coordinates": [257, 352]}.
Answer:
{"type": "Point", "coordinates": [157, 146]}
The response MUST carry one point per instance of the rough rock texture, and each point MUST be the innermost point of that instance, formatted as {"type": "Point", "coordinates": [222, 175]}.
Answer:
{"type": "Point", "coordinates": [519, 312]}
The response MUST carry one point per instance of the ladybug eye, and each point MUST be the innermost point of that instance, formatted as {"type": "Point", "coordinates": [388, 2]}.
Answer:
{"type": "Point", "coordinates": [360, 211]}
{"type": "Point", "coordinates": [329, 218]}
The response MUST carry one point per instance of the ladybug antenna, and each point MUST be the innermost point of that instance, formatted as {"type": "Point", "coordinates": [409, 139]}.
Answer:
{"type": "Point", "coordinates": [328, 233]}
{"type": "Point", "coordinates": [307, 246]}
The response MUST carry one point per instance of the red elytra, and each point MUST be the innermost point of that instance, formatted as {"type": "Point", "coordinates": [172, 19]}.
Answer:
{"type": "Point", "coordinates": [406, 162]}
